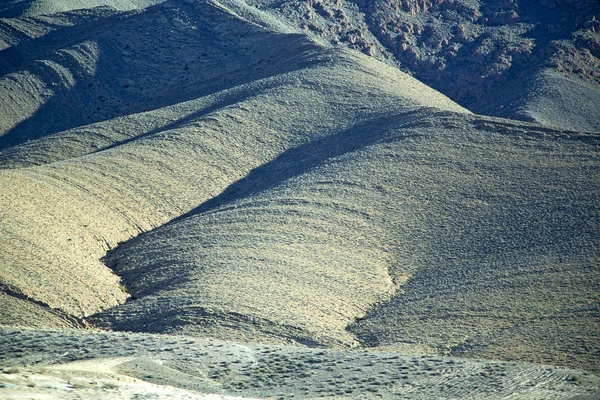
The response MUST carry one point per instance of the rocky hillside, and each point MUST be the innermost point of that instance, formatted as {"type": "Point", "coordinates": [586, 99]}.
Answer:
{"type": "Point", "coordinates": [524, 59]}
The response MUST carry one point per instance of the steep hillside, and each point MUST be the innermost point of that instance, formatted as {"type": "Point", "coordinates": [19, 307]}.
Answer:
{"type": "Point", "coordinates": [117, 179]}
{"type": "Point", "coordinates": [493, 57]}
{"type": "Point", "coordinates": [225, 169]}
{"type": "Point", "coordinates": [482, 232]}
{"type": "Point", "coordinates": [83, 67]}
{"type": "Point", "coordinates": [29, 8]}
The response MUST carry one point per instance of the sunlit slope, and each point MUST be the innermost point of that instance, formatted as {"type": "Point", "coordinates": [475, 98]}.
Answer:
{"type": "Point", "coordinates": [102, 184]}
{"type": "Point", "coordinates": [18, 311]}
{"type": "Point", "coordinates": [69, 70]}
{"type": "Point", "coordinates": [549, 98]}
{"type": "Point", "coordinates": [293, 193]}
{"type": "Point", "coordinates": [566, 102]}
{"type": "Point", "coordinates": [478, 229]}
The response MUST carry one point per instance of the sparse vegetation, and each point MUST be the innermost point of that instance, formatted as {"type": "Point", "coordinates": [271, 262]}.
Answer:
{"type": "Point", "coordinates": [110, 385]}
{"type": "Point", "coordinates": [249, 176]}
{"type": "Point", "coordinates": [257, 373]}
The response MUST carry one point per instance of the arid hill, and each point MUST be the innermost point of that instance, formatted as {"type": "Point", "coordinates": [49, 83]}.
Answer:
{"type": "Point", "coordinates": [525, 59]}
{"type": "Point", "coordinates": [226, 170]}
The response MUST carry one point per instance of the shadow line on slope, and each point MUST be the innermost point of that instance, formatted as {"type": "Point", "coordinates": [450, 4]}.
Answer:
{"type": "Point", "coordinates": [83, 25]}
{"type": "Point", "coordinates": [308, 156]}
{"type": "Point", "coordinates": [295, 162]}
{"type": "Point", "coordinates": [241, 95]}
{"type": "Point", "coordinates": [14, 292]}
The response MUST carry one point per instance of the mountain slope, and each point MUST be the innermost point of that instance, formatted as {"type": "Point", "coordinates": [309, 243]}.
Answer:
{"type": "Point", "coordinates": [96, 67]}
{"type": "Point", "coordinates": [485, 230]}
{"type": "Point", "coordinates": [203, 168]}
{"type": "Point", "coordinates": [492, 57]}
{"type": "Point", "coordinates": [113, 181]}
{"type": "Point", "coordinates": [20, 8]}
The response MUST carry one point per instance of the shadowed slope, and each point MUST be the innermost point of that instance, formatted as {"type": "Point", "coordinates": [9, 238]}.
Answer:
{"type": "Point", "coordinates": [523, 59]}
{"type": "Point", "coordinates": [18, 8]}
{"type": "Point", "coordinates": [488, 220]}
{"type": "Point", "coordinates": [83, 73]}
{"type": "Point", "coordinates": [293, 193]}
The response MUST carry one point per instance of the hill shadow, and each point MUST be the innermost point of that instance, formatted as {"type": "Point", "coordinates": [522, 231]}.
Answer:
{"type": "Point", "coordinates": [14, 8]}
{"type": "Point", "coordinates": [305, 157]}
{"type": "Point", "coordinates": [141, 68]}
{"type": "Point", "coordinates": [82, 25]}
{"type": "Point", "coordinates": [239, 96]}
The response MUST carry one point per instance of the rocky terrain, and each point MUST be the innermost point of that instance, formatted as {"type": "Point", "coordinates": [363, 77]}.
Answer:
{"type": "Point", "coordinates": [299, 199]}
{"type": "Point", "coordinates": [524, 59]}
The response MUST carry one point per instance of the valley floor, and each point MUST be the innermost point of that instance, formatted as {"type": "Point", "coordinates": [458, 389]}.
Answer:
{"type": "Point", "coordinates": [103, 365]}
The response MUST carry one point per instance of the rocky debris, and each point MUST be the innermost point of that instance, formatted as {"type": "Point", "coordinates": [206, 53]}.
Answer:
{"type": "Point", "coordinates": [467, 50]}
{"type": "Point", "coordinates": [335, 22]}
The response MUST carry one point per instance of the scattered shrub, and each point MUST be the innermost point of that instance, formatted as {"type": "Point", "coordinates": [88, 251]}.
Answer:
{"type": "Point", "coordinates": [111, 385]}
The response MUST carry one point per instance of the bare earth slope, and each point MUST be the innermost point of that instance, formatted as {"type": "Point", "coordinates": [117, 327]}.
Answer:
{"type": "Point", "coordinates": [495, 228]}
{"type": "Point", "coordinates": [73, 69]}
{"type": "Point", "coordinates": [82, 206]}
{"type": "Point", "coordinates": [20, 8]}
{"type": "Point", "coordinates": [203, 168]}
